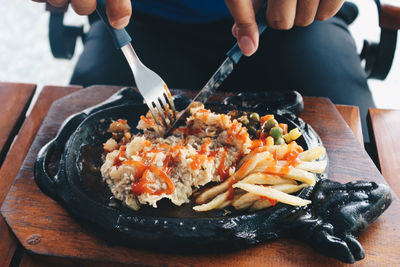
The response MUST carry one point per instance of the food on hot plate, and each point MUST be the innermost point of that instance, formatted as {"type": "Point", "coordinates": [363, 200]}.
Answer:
{"type": "Point", "coordinates": [246, 161]}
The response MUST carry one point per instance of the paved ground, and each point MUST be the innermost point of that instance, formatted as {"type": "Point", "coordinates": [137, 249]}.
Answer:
{"type": "Point", "coordinates": [25, 53]}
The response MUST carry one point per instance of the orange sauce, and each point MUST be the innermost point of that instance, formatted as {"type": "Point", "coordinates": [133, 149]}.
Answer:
{"type": "Point", "coordinates": [117, 162]}
{"type": "Point", "coordinates": [230, 193]}
{"type": "Point", "coordinates": [241, 132]}
{"type": "Point", "coordinates": [146, 120]}
{"type": "Point", "coordinates": [204, 146]}
{"type": "Point", "coordinates": [141, 182]}
{"type": "Point", "coordinates": [203, 155]}
{"type": "Point", "coordinates": [272, 201]}
{"type": "Point", "coordinates": [225, 120]}
{"type": "Point", "coordinates": [140, 168]}
{"type": "Point", "coordinates": [198, 160]}
{"type": "Point", "coordinates": [140, 186]}
{"type": "Point", "coordinates": [272, 167]}
{"type": "Point", "coordinates": [255, 144]}
{"type": "Point", "coordinates": [202, 114]}
{"type": "Point", "coordinates": [292, 157]}
{"type": "Point", "coordinates": [242, 135]}
{"type": "Point", "coordinates": [223, 170]}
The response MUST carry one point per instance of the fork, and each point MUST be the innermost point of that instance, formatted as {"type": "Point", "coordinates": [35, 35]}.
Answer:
{"type": "Point", "coordinates": [153, 89]}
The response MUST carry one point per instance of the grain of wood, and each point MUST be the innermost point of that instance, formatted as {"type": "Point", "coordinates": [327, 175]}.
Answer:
{"type": "Point", "coordinates": [29, 211]}
{"type": "Point", "coordinates": [14, 99]}
{"type": "Point", "coordinates": [16, 156]}
{"type": "Point", "coordinates": [351, 115]}
{"type": "Point", "coordinates": [386, 130]}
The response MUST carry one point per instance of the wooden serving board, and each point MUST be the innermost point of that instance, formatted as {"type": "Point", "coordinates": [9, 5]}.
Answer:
{"type": "Point", "coordinates": [43, 227]}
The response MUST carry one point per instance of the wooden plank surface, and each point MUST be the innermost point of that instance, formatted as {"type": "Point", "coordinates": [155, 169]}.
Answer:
{"type": "Point", "coordinates": [29, 211]}
{"type": "Point", "coordinates": [14, 99]}
{"type": "Point", "coordinates": [16, 155]}
{"type": "Point", "coordinates": [351, 115]}
{"type": "Point", "coordinates": [386, 130]}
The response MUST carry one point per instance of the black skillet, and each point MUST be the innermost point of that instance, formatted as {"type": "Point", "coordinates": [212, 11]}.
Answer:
{"type": "Point", "coordinates": [79, 188]}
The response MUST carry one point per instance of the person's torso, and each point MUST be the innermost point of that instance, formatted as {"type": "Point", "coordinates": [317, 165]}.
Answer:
{"type": "Point", "coordinates": [184, 11]}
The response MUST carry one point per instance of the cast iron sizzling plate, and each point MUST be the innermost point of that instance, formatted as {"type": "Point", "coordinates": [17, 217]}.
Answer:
{"type": "Point", "coordinates": [330, 224]}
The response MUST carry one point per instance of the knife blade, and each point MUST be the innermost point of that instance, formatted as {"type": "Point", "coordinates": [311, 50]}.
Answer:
{"type": "Point", "coordinates": [233, 57]}
{"type": "Point", "coordinates": [216, 80]}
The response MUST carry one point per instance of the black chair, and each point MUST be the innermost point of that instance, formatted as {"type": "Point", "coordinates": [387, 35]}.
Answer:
{"type": "Point", "coordinates": [378, 57]}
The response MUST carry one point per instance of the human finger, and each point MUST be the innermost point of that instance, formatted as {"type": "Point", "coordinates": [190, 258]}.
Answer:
{"type": "Point", "coordinates": [83, 7]}
{"type": "Point", "coordinates": [118, 12]}
{"type": "Point", "coordinates": [305, 12]}
{"type": "Point", "coordinates": [246, 27]}
{"type": "Point", "coordinates": [281, 14]}
{"type": "Point", "coordinates": [256, 6]}
{"type": "Point", "coordinates": [328, 8]}
{"type": "Point", "coordinates": [58, 3]}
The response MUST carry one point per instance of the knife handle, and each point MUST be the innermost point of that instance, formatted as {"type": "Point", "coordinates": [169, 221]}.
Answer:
{"type": "Point", "coordinates": [235, 53]}
{"type": "Point", "coordinates": [120, 37]}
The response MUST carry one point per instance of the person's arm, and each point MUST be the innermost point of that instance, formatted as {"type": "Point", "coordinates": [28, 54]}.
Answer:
{"type": "Point", "coordinates": [118, 11]}
{"type": "Point", "coordinates": [281, 14]}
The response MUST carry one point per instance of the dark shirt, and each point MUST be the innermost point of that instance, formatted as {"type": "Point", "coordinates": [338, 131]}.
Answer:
{"type": "Point", "coordinates": [184, 11]}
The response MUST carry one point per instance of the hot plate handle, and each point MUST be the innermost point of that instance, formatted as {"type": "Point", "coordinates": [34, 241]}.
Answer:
{"type": "Point", "coordinates": [44, 180]}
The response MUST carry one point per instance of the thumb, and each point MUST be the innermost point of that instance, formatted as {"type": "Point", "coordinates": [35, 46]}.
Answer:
{"type": "Point", "coordinates": [245, 28]}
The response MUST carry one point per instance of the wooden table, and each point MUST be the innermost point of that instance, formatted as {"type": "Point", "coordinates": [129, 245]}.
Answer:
{"type": "Point", "coordinates": [9, 251]}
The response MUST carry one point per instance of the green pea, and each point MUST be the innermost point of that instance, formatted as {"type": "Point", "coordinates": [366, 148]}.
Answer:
{"type": "Point", "coordinates": [252, 129]}
{"type": "Point", "coordinates": [269, 124]}
{"type": "Point", "coordinates": [279, 141]}
{"type": "Point", "coordinates": [276, 132]}
{"type": "Point", "coordinates": [254, 116]}
{"type": "Point", "coordinates": [245, 121]}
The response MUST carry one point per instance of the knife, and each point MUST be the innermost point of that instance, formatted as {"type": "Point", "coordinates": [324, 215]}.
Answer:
{"type": "Point", "coordinates": [233, 57]}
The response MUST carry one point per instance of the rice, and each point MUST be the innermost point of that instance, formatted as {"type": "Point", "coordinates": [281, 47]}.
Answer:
{"type": "Point", "coordinates": [145, 168]}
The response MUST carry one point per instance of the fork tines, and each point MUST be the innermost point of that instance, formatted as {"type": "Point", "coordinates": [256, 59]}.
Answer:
{"type": "Point", "coordinates": [163, 107]}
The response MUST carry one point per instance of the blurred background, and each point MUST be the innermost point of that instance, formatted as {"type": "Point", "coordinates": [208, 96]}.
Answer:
{"type": "Point", "coordinates": [25, 54]}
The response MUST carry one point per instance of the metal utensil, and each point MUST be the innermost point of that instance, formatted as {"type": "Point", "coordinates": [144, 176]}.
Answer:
{"type": "Point", "coordinates": [233, 57]}
{"type": "Point", "coordinates": [153, 89]}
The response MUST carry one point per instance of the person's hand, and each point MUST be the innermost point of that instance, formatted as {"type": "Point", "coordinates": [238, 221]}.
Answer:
{"type": "Point", "coordinates": [281, 14]}
{"type": "Point", "coordinates": [118, 11]}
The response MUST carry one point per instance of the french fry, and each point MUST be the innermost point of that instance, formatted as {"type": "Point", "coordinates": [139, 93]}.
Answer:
{"type": "Point", "coordinates": [245, 201]}
{"type": "Point", "coordinates": [281, 151]}
{"type": "Point", "coordinates": [315, 166]}
{"type": "Point", "coordinates": [213, 204]}
{"type": "Point", "coordinates": [299, 175]}
{"type": "Point", "coordinates": [247, 167]}
{"type": "Point", "coordinates": [225, 204]}
{"type": "Point", "coordinates": [272, 194]}
{"type": "Point", "coordinates": [265, 203]}
{"type": "Point", "coordinates": [260, 204]}
{"type": "Point", "coordinates": [264, 178]}
{"type": "Point", "coordinates": [289, 188]}
{"type": "Point", "coordinates": [250, 199]}
{"type": "Point", "coordinates": [286, 172]}
{"type": "Point", "coordinates": [247, 157]}
{"type": "Point", "coordinates": [312, 154]}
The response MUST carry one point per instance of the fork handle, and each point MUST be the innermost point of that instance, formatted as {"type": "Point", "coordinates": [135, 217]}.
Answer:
{"type": "Point", "coordinates": [235, 53]}
{"type": "Point", "coordinates": [120, 37]}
